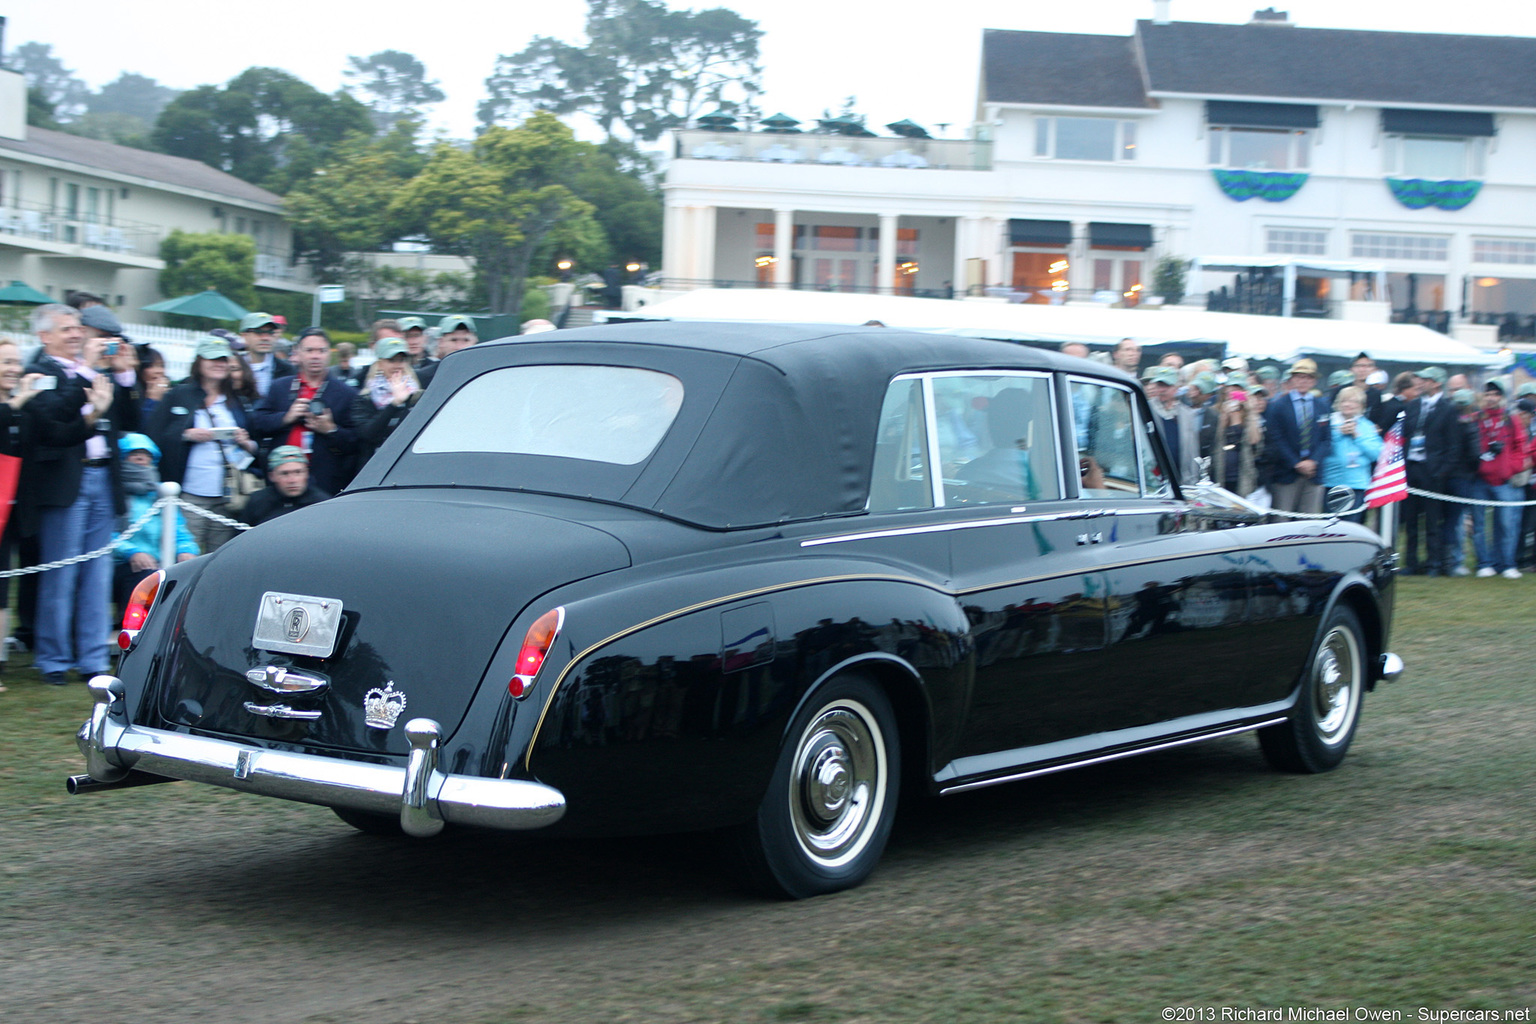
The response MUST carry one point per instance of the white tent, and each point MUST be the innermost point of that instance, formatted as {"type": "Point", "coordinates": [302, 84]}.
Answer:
{"type": "Point", "coordinates": [1256, 337]}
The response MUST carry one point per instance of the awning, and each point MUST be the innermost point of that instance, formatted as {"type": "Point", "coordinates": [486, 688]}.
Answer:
{"type": "Point", "coordinates": [1103, 235]}
{"type": "Point", "coordinates": [1465, 124]}
{"type": "Point", "coordinates": [1039, 232]}
{"type": "Point", "coordinates": [1232, 114]}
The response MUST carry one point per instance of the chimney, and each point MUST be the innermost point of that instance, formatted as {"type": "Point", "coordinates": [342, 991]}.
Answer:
{"type": "Point", "coordinates": [1160, 12]}
{"type": "Point", "coordinates": [1270, 16]}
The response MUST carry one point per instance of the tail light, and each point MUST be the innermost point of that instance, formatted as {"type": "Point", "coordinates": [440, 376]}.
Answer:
{"type": "Point", "coordinates": [137, 613]}
{"type": "Point", "coordinates": [541, 635]}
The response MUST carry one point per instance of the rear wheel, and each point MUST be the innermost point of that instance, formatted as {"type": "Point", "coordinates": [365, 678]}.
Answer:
{"type": "Point", "coordinates": [825, 819]}
{"type": "Point", "coordinates": [1321, 726]}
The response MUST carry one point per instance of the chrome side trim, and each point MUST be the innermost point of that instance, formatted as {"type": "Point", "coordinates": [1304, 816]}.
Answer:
{"type": "Point", "coordinates": [974, 524]}
{"type": "Point", "coordinates": [423, 796]}
{"type": "Point", "coordinates": [280, 711]}
{"type": "Point", "coordinates": [1183, 741]}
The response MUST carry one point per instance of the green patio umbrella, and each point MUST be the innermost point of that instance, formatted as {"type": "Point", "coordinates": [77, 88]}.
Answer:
{"type": "Point", "coordinates": [908, 128]}
{"type": "Point", "coordinates": [209, 304]}
{"type": "Point", "coordinates": [19, 291]}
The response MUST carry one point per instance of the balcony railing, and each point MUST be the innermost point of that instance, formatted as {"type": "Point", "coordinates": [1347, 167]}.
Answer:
{"type": "Point", "coordinates": [275, 266]}
{"type": "Point", "coordinates": [834, 150]}
{"type": "Point", "coordinates": [120, 236]}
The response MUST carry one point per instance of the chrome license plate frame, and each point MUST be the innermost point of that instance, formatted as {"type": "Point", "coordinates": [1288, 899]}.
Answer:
{"type": "Point", "coordinates": [297, 624]}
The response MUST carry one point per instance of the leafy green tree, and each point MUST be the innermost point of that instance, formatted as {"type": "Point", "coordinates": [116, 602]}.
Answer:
{"type": "Point", "coordinates": [265, 126]}
{"type": "Point", "coordinates": [194, 262]}
{"type": "Point", "coordinates": [57, 87]}
{"type": "Point", "coordinates": [643, 68]}
{"type": "Point", "coordinates": [131, 95]}
{"type": "Point", "coordinates": [497, 201]}
{"type": "Point", "coordinates": [627, 205]}
{"type": "Point", "coordinates": [39, 110]}
{"type": "Point", "coordinates": [393, 85]}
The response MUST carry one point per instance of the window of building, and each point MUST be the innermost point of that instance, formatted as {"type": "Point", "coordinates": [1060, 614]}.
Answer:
{"type": "Point", "coordinates": [1041, 276]}
{"type": "Point", "coordinates": [834, 238]}
{"type": "Point", "coordinates": [93, 205]}
{"type": "Point", "coordinates": [1435, 158]}
{"type": "Point", "coordinates": [1503, 250]}
{"type": "Point", "coordinates": [1300, 241]}
{"type": "Point", "coordinates": [1084, 138]}
{"type": "Point", "coordinates": [1369, 245]}
{"type": "Point", "coordinates": [1260, 149]}
{"type": "Point", "coordinates": [72, 201]}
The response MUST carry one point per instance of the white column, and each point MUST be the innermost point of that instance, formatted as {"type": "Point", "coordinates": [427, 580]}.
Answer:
{"type": "Point", "coordinates": [676, 256]}
{"type": "Point", "coordinates": [704, 245]}
{"type": "Point", "coordinates": [783, 248]}
{"type": "Point", "coordinates": [1080, 268]}
{"type": "Point", "coordinates": [885, 267]}
{"type": "Point", "coordinates": [966, 247]}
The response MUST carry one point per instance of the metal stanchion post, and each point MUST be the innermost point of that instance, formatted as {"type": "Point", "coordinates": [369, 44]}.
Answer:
{"type": "Point", "coordinates": [1389, 524]}
{"type": "Point", "coordinates": [172, 490]}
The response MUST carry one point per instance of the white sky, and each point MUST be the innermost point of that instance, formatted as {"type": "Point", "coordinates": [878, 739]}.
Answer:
{"type": "Point", "coordinates": [900, 58]}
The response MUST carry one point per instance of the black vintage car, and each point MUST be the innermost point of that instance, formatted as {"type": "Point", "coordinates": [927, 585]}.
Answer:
{"type": "Point", "coordinates": [757, 579]}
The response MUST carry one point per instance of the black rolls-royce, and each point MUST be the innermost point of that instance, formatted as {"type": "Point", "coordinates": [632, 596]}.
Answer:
{"type": "Point", "coordinates": [760, 579]}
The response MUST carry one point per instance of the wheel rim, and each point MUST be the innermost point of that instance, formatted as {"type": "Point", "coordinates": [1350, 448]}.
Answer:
{"type": "Point", "coordinates": [838, 783]}
{"type": "Point", "coordinates": [1335, 686]}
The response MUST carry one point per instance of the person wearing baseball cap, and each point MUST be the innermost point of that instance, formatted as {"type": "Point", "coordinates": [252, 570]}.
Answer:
{"type": "Point", "coordinates": [259, 331]}
{"type": "Point", "coordinates": [1436, 442]}
{"type": "Point", "coordinates": [288, 487]}
{"type": "Point", "coordinates": [1175, 421]}
{"type": "Point", "coordinates": [455, 332]}
{"type": "Point", "coordinates": [1297, 438]}
{"type": "Point", "coordinates": [414, 328]}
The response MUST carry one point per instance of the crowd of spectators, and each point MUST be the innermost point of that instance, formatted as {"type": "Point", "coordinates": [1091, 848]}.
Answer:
{"type": "Point", "coordinates": [1282, 437]}
{"type": "Point", "coordinates": [91, 426]}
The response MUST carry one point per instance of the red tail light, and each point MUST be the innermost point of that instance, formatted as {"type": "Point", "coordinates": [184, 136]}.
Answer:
{"type": "Point", "coordinates": [139, 603]}
{"type": "Point", "coordinates": [536, 645]}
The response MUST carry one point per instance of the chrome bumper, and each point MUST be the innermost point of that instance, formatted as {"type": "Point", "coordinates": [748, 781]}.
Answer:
{"type": "Point", "coordinates": [424, 797]}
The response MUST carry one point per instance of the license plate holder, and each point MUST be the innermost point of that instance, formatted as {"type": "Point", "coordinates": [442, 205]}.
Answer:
{"type": "Point", "coordinates": [297, 624]}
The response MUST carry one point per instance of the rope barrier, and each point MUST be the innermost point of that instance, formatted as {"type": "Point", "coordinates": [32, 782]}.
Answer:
{"type": "Point", "coordinates": [133, 528]}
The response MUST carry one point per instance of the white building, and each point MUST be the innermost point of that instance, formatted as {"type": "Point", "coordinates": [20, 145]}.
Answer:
{"type": "Point", "coordinates": [80, 214]}
{"type": "Point", "coordinates": [1365, 157]}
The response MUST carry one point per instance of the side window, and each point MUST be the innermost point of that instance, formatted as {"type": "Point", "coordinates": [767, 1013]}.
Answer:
{"type": "Point", "coordinates": [900, 479]}
{"type": "Point", "coordinates": [1114, 458]}
{"type": "Point", "coordinates": [996, 439]}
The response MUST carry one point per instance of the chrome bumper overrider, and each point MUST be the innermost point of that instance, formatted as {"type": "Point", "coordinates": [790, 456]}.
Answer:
{"type": "Point", "coordinates": [423, 796]}
{"type": "Point", "coordinates": [1391, 667]}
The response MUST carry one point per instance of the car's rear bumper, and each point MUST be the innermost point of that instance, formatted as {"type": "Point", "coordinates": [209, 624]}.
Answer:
{"type": "Point", "coordinates": [419, 793]}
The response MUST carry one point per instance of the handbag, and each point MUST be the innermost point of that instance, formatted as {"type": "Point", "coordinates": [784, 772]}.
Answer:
{"type": "Point", "coordinates": [239, 485]}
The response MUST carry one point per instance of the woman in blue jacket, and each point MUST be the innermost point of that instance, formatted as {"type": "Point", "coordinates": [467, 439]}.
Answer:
{"type": "Point", "coordinates": [1356, 446]}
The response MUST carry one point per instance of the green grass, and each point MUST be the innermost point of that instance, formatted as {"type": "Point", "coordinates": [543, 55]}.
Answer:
{"type": "Point", "coordinates": [1406, 878]}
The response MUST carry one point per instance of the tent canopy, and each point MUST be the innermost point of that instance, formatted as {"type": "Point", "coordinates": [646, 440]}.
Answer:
{"type": "Point", "coordinates": [1255, 337]}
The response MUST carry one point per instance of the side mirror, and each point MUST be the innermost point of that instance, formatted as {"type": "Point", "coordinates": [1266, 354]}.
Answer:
{"type": "Point", "coordinates": [1339, 499]}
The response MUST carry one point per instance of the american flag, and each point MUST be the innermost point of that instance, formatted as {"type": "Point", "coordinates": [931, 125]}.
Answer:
{"type": "Point", "coordinates": [1390, 482]}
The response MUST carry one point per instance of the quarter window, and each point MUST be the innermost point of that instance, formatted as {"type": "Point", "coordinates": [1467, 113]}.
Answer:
{"type": "Point", "coordinates": [901, 480]}
{"type": "Point", "coordinates": [1113, 457]}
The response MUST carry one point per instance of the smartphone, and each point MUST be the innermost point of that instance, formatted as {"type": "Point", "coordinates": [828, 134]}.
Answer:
{"type": "Point", "coordinates": [45, 384]}
{"type": "Point", "coordinates": [224, 433]}
{"type": "Point", "coordinates": [111, 348]}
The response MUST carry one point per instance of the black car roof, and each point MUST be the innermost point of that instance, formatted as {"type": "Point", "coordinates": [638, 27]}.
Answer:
{"type": "Point", "coordinates": [777, 424]}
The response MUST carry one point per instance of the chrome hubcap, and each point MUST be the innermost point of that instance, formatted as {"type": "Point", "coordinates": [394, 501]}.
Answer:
{"type": "Point", "coordinates": [838, 785]}
{"type": "Point", "coordinates": [1335, 685]}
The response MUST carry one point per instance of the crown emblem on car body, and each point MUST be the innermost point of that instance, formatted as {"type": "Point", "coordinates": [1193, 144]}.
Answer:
{"type": "Point", "coordinates": [381, 708]}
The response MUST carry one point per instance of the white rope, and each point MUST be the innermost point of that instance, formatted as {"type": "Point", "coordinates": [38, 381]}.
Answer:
{"type": "Point", "coordinates": [1470, 501]}
{"type": "Point", "coordinates": [206, 514]}
{"type": "Point", "coordinates": [133, 528]}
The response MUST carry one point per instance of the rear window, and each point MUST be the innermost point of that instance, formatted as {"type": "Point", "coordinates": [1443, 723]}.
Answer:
{"type": "Point", "coordinates": [614, 414]}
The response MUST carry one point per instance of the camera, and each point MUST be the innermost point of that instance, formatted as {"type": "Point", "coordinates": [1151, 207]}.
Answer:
{"type": "Point", "coordinates": [317, 407]}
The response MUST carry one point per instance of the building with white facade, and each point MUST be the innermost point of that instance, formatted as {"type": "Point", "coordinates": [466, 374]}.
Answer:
{"type": "Point", "coordinates": [1368, 161]}
{"type": "Point", "coordinates": [81, 214]}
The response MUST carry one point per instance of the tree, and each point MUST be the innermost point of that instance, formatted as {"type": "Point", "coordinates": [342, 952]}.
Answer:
{"type": "Point", "coordinates": [393, 85]}
{"type": "Point", "coordinates": [194, 262]}
{"type": "Point", "coordinates": [1169, 279]}
{"type": "Point", "coordinates": [345, 206]}
{"type": "Point", "coordinates": [57, 87]}
{"type": "Point", "coordinates": [265, 126]}
{"type": "Point", "coordinates": [132, 95]}
{"type": "Point", "coordinates": [627, 207]}
{"type": "Point", "coordinates": [497, 201]}
{"type": "Point", "coordinates": [644, 68]}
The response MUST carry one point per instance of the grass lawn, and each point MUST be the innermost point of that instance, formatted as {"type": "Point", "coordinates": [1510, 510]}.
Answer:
{"type": "Point", "coordinates": [1191, 878]}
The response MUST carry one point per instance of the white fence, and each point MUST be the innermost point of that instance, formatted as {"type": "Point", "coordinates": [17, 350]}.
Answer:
{"type": "Point", "coordinates": [175, 344]}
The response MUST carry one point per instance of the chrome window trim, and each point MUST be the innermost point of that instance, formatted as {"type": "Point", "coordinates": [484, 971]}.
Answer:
{"type": "Point", "coordinates": [931, 428]}
{"type": "Point", "coordinates": [1048, 376]}
{"type": "Point", "coordinates": [972, 524]}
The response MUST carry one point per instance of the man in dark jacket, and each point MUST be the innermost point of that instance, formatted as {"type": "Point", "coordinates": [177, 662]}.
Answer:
{"type": "Point", "coordinates": [259, 331]}
{"type": "Point", "coordinates": [1297, 439]}
{"type": "Point", "coordinates": [288, 487]}
{"type": "Point", "coordinates": [312, 411]}
{"type": "Point", "coordinates": [70, 495]}
{"type": "Point", "coordinates": [1436, 444]}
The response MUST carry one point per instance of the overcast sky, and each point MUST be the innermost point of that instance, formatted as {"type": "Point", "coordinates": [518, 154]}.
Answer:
{"type": "Point", "coordinates": [900, 58]}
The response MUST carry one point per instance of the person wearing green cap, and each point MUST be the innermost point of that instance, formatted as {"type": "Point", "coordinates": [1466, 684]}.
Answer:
{"type": "Point", "coordinates": [414, 328]}
{"type": "Point", "coordinates": [288, 487]}
{"type": "Point", "coordinates": [1175, 422]}
{"type": "Point", "coordinates": [1297, 439]}
{"type": "Point", "coordinates": [455, 332]}
{"type": "Point", "coordinates": [259, 331]}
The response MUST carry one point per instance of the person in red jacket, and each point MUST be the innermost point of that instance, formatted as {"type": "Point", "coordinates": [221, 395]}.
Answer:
{"type": "Point", "coordinates": [1502, 452]}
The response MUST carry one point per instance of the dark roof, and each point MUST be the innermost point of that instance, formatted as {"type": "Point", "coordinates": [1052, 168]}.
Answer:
{"type": "Point", "coordinates": [1285, 62]}
{"type": "Point", "coordinates": [107, 156]}
{"type": "Point", "coordinates": [1341, 64]}
{"type": "Point", "coordinates": [777, 422]}
{"type": "Point", "coordinates": [1060, 68]}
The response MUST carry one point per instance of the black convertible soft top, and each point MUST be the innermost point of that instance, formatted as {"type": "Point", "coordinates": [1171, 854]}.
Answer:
{"type": "Point", "coordinates": [777, 422]}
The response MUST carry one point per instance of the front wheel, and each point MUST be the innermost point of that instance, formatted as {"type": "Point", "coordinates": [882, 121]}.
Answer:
{"type": "Point", "coordinates": [824, 821]}
{"type": "Point", "coordinates": [1321, 726]}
